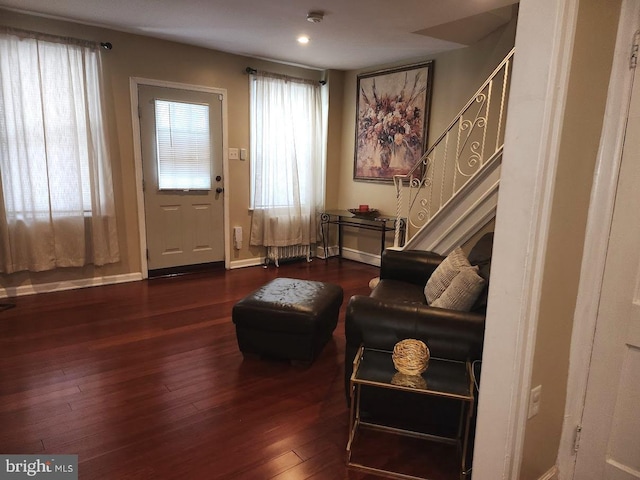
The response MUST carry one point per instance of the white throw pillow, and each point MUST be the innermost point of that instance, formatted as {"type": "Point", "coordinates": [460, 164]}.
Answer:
{"type": "Point", "coordinates": [444, 274]}
{"type": "Point", "coordinates": [462, 292]}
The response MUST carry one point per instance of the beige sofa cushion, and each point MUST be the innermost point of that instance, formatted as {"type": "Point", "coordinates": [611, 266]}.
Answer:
{"type": "Point", "coordinates": [462, 292]}
{"type": "Point", "coordinates": [444, 274]}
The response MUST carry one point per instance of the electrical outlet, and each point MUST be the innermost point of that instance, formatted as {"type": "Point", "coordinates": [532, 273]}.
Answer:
{"type": "Point", "coordinates": [534, 401]}
{"type": "Point", "coordinates": [233, 154]}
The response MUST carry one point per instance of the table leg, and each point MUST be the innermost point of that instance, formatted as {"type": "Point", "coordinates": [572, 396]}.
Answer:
{"type": "Point", "coordinates": [383, 237]}
{"type": "Point", "coordinates": [465, 445]}
{"type": "Point", "coordinates": [324, 232]}
{"type": "Point", "coordinates": [354, 418]}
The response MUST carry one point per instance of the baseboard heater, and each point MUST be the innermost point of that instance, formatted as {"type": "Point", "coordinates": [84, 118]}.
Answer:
{"type": "Point", "coordinates": [288, 253]}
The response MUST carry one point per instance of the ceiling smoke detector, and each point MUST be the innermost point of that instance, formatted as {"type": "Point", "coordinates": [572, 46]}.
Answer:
{"type": "Point", "coordinates": [315, 17]}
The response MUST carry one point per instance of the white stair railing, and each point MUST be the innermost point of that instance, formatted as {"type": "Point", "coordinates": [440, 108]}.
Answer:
{"type": "Point", "coordinates": [461, 152]}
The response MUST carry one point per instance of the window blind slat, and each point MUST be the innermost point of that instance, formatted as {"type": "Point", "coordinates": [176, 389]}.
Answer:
{"type": "Point", "coordinates": [183, 146]}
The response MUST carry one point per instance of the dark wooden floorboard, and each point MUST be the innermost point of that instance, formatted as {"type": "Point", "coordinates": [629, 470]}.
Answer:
{"type": "Point", "coordinates": [144, 380]}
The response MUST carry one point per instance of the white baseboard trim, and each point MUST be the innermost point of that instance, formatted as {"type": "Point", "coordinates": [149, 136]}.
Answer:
{"type": "Point", "coordinates": [6, 292]}
{"type": "Point", "coordinates": [362, 257]}
{"type": "Point", "coordinates": [254, 262]}
{"type": "Point", "coordinates": [319, 253]}
{"type": "Point", "coordinates": [350, 254]}
{"type": "Point", "coordinates": [247, 262]}
{"type": "Point", "coordinates": [552, 474]}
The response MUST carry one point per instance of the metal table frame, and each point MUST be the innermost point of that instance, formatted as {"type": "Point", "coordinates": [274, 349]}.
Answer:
{"type": "Point", "coordinates": [465, 398]}
{"type": "Point", "coordinates": [344, 218]}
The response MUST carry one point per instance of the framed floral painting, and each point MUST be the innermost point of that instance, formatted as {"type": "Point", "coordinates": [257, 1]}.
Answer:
{"type": "Point", "coordinates": [392, 115]}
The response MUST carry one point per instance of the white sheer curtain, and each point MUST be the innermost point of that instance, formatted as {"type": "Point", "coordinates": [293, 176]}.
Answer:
{"type": "Point", "coordinates": [287, 160]}
{"type": "Point", "coordinates": [56, 196]}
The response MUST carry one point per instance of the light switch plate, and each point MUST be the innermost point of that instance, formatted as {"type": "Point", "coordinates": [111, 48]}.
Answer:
{"type": "Point", "coordinates": [534, 401]}
{"type": "Point", "coordinates": [233, 154]}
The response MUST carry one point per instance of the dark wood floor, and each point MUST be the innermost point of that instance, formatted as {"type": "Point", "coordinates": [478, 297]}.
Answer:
{"type": "Point", "coordinates": [144, 380]}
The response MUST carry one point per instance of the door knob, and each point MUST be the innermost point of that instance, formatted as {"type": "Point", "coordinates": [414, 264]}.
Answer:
{"type": "Point", "coordinates": [219, 190]}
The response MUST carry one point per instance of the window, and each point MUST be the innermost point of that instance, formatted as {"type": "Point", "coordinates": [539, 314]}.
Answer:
{"type": "Point", "coordinates": [287, 169]}
{"type": "Point", "coordinates": [57, 198]}
{"type": "Point", "coordinates": [285, 140]}
{"type": "Point", "coordinates": [183, 150]}
{"type": "Point", "coordinates": [44, 136]}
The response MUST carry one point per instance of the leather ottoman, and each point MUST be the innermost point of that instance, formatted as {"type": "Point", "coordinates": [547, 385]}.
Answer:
{"type": "Point", "coordinates": [288, 318]}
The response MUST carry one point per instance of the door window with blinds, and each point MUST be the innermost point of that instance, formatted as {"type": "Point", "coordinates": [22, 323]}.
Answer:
{"type": "Point", "coordinates": [183, 145]}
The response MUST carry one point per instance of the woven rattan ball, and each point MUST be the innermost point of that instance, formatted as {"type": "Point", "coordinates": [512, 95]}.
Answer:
{"type": "Point", "coordinates": [410, 356]}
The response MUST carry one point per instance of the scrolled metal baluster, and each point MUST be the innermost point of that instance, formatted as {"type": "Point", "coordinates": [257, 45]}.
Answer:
{"type": "Point", "coordinates": [476, 120]}
{"type": "Point", "coordinates": [396, 236]}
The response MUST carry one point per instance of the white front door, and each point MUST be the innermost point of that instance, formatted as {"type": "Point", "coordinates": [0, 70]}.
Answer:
{"type": "Point", "coordinates": [184, 222]}
{"type": "Point", "coordinates": [609, 446]}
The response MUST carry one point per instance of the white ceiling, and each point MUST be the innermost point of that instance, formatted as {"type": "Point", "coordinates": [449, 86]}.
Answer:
{"type": "Point", "coordinates": [354, 34]}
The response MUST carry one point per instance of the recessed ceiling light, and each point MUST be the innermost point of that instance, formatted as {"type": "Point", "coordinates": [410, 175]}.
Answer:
{"type": "Point", "coordinates": [303, 39]}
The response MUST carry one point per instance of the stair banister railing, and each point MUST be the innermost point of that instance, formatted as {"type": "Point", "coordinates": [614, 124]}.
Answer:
{"type": "Point", "coordinates": [474, 128]}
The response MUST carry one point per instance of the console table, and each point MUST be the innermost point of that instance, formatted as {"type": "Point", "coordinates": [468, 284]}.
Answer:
{"type": "Point", "coordinates": [446, 379]}
{"type": "Point", "coordinates": [344, 218]}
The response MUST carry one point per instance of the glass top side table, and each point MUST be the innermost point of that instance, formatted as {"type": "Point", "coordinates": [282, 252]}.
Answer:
{"type": "Point", "coordinates": [345, 218]}
{"type": "Point", "coordinates": [443, 378]}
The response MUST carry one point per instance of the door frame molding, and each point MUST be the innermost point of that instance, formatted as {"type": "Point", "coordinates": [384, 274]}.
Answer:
{"type": "Point", "coordinates": [597, 233]}
{"type": "Point", "coordinates": [134, 83]}
{"type": "Point", "coordinates": [544, 47]}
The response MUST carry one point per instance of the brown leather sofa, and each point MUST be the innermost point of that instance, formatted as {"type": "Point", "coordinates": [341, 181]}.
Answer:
{"type": "Point", "coordinates": [397, 309]}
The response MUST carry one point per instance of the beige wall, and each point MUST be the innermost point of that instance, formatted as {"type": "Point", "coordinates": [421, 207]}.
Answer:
{"type": "Point", "coordinates": [589, 78]}
{"type": "Point", "coordinates": [335, 130]}
{"type": "Point", "coordinates": [138, 56]}
{"type": "Point", "coordinates": [457, 76]}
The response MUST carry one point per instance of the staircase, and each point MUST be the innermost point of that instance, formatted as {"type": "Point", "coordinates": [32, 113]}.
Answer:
{"type": "Point", "coordinates": [452, 191]}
